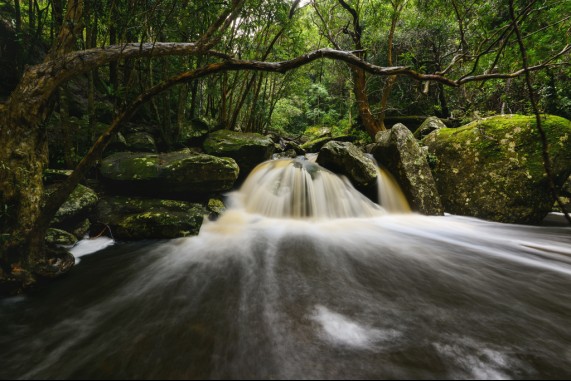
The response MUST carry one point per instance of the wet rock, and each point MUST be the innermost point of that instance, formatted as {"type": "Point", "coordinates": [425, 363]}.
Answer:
{"type": "Point", "coordinates": [60, 237]}
{"type": "Point", "coordinates": [291, 145]}
{"type": "Point", "coordinates": [195, 132]}
{"type": "Point", "coordinates": [493, 169]}
{"type": "Point", "coordinates": [398, 151]}
{"type": "Point", "coordinates": [248, 149]}
{"type": "Point", "coordinates": [317, 144]}
{"type": "Point", "coordinates": [81, 228]}
{"type": "Point", "coordinates": [431, 124]}
{"type": "Point", "coordinates": [181, 173]}
{"type": "Point", "coordinates": [315, 132]}
{"type": "Point", "coordinates": [52, 176]}
{"type": "Point", "coordinates": [289, 154]}
{"type": "Point", "coordinates": [77, 207]}
{"type": "Point", "coordinates": [346, 159]}
{"type": "Point", "coordinates": [58, 261]}
{"type": "Point", "coordinates": [140, 142]}
{"type": "Point", "coordinates": [131, 218]}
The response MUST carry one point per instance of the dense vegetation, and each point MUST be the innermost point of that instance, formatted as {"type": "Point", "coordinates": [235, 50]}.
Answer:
{"type": "Point", "coordinates": [459, 38]}
{"type": "Point", "coordinates": [457, 59]}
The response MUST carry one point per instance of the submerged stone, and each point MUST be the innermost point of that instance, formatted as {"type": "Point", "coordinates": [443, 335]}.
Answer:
{"type": "Point", "coordinates": [493, 168]}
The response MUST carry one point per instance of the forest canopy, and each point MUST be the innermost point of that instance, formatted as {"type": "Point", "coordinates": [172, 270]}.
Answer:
{"type": "Point", "coordinates": [455, 38]}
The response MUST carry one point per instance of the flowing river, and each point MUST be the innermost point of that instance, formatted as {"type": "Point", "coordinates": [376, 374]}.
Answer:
{"type": "Point", "coordinates": [305, 278]}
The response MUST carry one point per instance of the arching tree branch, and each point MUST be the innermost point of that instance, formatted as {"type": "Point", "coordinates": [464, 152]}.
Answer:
{"type": "Point", "coordinates": [60, 195]}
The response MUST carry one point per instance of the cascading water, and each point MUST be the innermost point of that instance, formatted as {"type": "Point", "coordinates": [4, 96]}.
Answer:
{"type": "Point", "coordinates": [299, 188]}
{"type": "Point", "coordinates": [259, 294]}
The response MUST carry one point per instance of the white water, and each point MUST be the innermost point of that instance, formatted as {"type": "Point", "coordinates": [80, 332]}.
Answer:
{"type": "Point", "coordinates": [300, 188]}
{"type": "Point", "coordinates": [258, 296]}
{"type": "Point", "coordinates": [89, 246]}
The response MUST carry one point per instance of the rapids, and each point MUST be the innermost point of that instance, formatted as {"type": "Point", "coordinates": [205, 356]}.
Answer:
{"type": "Point", "coordinates": [294, 289]}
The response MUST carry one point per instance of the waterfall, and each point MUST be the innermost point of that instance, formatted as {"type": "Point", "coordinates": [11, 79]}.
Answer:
{"type": "Point", "coordinates": [300, 188]}
{"type": "Point", "coordinates": [391, 196]}
{"type": "Point", "coordinates": [305, 278]}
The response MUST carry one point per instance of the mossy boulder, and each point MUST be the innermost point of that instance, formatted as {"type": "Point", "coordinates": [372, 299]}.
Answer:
{"type": "Point", "coordinates": [493, 168]}
{"type": "Point", "coordinates": [140, 142]}
{"type": "Point", "coordinates": [315, 132]}
{"type": "Point", "coordinates": [398, 151]}
{"type": "Point", "coordinates": [60, 237]}
{"type": "Point", "coordinates": [317, 144]}
{"type": "Point", "coordinates": [77, 207]}
{"type": "Point", "coordinates": [195, 132]}
{"type": "Point", "coordinates": [346, 159]}
{"type": "Point", "coordinates": [132, 218]}
{"type": "Point", "coordinates": [431, 124]}
{"type": "Point", "coordinates": [52, 176]}
{"type": "Point", "coordinates": [182, 173]}
{"type": "Point", "coordinates": [248, 149]}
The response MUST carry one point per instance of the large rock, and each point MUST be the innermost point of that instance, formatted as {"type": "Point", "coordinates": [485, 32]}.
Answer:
{"type": "Point", "coordinates": [60, 237]}
{"type": "Point", "coordinates": [400, 153]}
{"type": "Point", "coordinates": [317, 144]}
{"type": "Point", "coordinates": [248, 149]}
{"type": "Point", "coordinates": [140, 142]}
{"type": "Point", "coordinates": [315, 132]}
{"type": "Point", "coordinates": [180, 173]}
{"type": "Point", "coordinates": [76, 208]}
{"type": "Point", "coordinates": [131, 218]}
{"type": "Point", "coordinates": [194, 134]}
{"type": "Point", "coordinates": [493, 168]}
{"type": "Point", "coordinates": [346, 159]}
{"type": "Point", "coordinates": [431, 124]}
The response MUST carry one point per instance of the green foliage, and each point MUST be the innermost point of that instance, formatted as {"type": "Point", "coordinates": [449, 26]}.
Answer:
{"type": "Point", "coordinates": [429, 36]}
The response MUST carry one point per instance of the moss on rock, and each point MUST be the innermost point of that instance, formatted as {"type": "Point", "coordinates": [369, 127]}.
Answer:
{"type": "Point", "coordinates": [60, 237]}
{"type": "Point", "coordinates": [248, 149]}
{"type": "Point", "coordinates": [493, 168]}
{"type": "Point", "coordinates": [181, 172]}
{"type": "Point", "coordinates": [77, 207]}
{"type": "Point", "coordinates": [132, 218]}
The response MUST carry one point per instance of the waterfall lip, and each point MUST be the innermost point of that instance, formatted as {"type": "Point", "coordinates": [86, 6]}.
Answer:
{"type": "Point", "coordinates": [301, 189]}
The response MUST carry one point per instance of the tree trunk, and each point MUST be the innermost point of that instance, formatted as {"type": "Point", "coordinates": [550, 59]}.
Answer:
{"type": "Point", "coordinates": [370, 124]}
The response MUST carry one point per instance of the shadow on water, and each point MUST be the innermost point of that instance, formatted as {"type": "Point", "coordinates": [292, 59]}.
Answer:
{"type": "Point", "coordinates": [386, 296]}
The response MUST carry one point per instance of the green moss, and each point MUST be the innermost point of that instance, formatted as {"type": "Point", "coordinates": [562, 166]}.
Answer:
{"type": "Point", "coordinates": [80, 202]}
{"type": "Point", "coordinates": [226, 141]}
{"type": "Point", "coordinates": [493, 167]}
{"type": "Point", "coordinates": [60, 237]}
{"type": "Point", "coordinates": [315, 145]}
{"type": "Point", "coordinates": [142, 218]}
